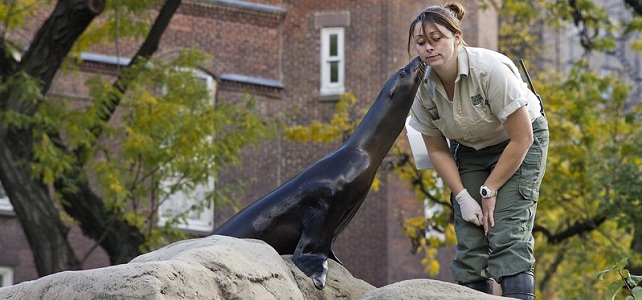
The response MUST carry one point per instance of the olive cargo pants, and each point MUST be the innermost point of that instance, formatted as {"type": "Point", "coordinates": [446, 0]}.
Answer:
{"type": "Point", "coordinates": [508, 248]}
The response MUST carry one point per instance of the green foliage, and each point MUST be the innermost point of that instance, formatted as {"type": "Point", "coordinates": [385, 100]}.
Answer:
{"type": "Point", "coordinates": [626, 280]}
{"type": "Point", "coordinates": [594, 155]}
{"type": "Point", "coordinates": [519, 29]}
{"type": "Point", "coordinates": [168, 135]}
{"type": "Point", "coordinates": [50, 161]}
{"type": "Point", "coordinates": [122, 22]}
{"type": "Point", "coordinates": [171, 134]}
{"type": "Point", "coordinates": [318, 132]}
{"type": "Point", "coordinates": [14, 13]}
{"type": "Point", "coordinates": [594, 152]}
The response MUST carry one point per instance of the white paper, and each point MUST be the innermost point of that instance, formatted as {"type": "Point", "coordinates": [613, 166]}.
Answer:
{"type": "Point", "coordinates": [418, 148]}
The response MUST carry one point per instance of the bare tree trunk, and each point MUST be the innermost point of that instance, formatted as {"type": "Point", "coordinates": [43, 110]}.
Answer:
{"type": "Point", "coordinates": [34, 207]}
{"type": "Point", "coordinates": [40, 219]}
{"type": "Point", "coordinates": [58, 34]}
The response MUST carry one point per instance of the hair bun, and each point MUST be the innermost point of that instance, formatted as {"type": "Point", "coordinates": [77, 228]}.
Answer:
{"type": "Point", "coordinates": [457, 9]}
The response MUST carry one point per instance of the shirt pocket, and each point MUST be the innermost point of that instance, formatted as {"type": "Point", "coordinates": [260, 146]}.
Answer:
{"type": "Point", "coordinates": [480, 123]}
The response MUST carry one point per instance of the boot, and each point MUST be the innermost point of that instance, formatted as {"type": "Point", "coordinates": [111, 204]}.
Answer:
{"type": "Point", "coordinates": [520, 285]}
{"type": "Point", "coordinates": [484, 286]}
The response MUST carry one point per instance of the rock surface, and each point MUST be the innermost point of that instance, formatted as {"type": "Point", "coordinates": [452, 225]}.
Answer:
{"type": "Point", "coordinates": [219, 267]}
{"type": "Point", "coordinates": [426, 289]}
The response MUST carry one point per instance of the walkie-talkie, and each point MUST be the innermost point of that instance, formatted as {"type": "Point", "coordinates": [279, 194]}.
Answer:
{"type": "Point", "coordinates": [530, 83]}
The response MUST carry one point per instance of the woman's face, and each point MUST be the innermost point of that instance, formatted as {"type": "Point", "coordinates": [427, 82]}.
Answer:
{"type": "Point", "coordinates": [441, 52]}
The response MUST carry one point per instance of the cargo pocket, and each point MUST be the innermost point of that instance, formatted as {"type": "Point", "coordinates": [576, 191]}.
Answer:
{"type": "Point", "coordinates": [530, 171]}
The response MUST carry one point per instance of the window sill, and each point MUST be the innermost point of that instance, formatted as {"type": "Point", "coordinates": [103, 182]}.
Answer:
{"type": "Point", "coordinates": [7, 213]}
{"type": "Point", "coordinates": [330, 98]}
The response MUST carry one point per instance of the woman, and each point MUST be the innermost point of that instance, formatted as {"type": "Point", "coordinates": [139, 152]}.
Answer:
{"type": "Point", "coordinates": [499, 139]}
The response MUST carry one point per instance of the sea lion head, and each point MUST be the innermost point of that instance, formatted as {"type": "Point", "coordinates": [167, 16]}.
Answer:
{"type": "Point", "coordinates": [408, 77]}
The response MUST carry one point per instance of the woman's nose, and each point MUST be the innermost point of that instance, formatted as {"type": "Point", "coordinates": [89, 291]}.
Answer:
{"type": "Point", "coordinates": [429, 47]}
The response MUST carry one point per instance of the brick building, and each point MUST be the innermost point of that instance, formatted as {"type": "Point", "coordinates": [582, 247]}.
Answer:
{"type": "Point", "coordinates": [292, 56]}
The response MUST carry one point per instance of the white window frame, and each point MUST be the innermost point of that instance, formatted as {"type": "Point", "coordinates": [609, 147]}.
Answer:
{"type": "Point", "coordinates": [206, 78]}
{"type": "Point", "coordinates": [5, 204]}
{"type": "Point", "coordinates": [181, 202]}
{"type": "Point", "coordinates": [329, 87]}
{"type": "Point", "coordinates": [6, 276]}
{"type": "Point", "coordinates": [202, 221]}
{"type": "Point", "coordinates": [209, 81]}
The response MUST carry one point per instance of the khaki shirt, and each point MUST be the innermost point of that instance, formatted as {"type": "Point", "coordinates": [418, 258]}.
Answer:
{"type": "Point", "coordinates": [488, 89]}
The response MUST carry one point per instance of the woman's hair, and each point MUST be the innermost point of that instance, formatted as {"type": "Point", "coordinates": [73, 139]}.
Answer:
{"type": "Point", "coordinates": [447, 15]}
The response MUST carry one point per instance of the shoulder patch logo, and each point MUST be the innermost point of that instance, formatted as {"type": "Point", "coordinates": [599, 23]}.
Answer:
{"type": "Point", "coordinates": [477, 99]}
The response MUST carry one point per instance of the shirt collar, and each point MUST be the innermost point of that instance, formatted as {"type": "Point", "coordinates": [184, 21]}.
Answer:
{"type": "Point", "coordinates": [462, 66]}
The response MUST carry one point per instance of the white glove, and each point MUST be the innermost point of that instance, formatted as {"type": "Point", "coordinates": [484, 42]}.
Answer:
{"type": "Point", "coordinates": [470, 209]}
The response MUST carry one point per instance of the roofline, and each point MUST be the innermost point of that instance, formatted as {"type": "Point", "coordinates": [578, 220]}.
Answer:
{"type": "Point", "coordinates": [265, 8]}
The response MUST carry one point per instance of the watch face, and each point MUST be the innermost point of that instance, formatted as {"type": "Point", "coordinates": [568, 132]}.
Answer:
{"type": "Point", "coordinates": [485, 192]}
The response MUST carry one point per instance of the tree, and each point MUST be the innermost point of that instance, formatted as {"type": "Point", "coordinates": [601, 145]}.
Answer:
{"type": "Point", "coordinates": [587, 205]}
{"type": "Point", "coordinates": [107, 173]}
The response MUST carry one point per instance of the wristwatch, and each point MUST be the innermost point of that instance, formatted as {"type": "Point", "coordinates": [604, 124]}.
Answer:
{"type": "Point", "coordinates": [486, 192]}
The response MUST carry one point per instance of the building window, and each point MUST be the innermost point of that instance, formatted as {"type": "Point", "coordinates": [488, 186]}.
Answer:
{"type": "Point", "coordinates": [332, 61]}
{"type": "Point", "coordinates": [6, 276]}
{"type": "Point", "coordinates": [208, 81]}
{"type": "Point", "coordinates": [193, 211]}
{"type": "Point", "coordinates": [5, 205]}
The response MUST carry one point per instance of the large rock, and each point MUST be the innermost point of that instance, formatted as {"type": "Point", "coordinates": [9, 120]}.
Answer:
{"type": "Point", "coordinates": [219, 267]}
{"type": "Point", "coordinates": [426, 289]}
{"type": "Point", "coordinates": [215, 267]}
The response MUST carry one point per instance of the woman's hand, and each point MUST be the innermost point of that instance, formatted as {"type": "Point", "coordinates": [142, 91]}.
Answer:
{"type": "Point", "coordinates": [488, 208]}
{"type": "Point", "coordinates": [519, 129]}
{"type": "Point", "coordinates": [470, 210]}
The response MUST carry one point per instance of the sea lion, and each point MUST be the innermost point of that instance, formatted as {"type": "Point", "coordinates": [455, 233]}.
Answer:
{"type": "Point", "coordinates": [304, 216]}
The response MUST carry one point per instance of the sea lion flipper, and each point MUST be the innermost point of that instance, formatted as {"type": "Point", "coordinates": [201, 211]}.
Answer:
{"type": "Point", "coordinates": [334, 256]}
{"type": "Point", "coordinates": [314, 265]}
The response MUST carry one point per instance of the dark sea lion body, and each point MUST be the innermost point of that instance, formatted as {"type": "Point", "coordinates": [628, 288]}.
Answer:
{"type": "Point", "coordinates": [304, 216]}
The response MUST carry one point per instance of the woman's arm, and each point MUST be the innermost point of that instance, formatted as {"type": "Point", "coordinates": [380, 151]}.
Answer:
{"type": "Point", "coordinates": [443, 162]}
{"type": "Point", "coordinates": [446, 167]}
{"type": "Point", "coordinates": [519, 129]}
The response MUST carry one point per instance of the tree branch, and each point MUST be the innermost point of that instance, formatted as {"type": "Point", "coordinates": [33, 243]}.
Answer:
{"type": "Point", "coordinates": [636, 5]}
{"type": "Point", "coordinates": [121, 240]}
{"type": "Point", "coordinates": [56, 37]}
{"type": "Point", "coordinates": [8, 65]}
{"type": "Point", "coordinates": [150, 45]}
{"type": "Point", "coordinates": [577, 228]}
{"type": "Point", "coordinates": [550, 271]}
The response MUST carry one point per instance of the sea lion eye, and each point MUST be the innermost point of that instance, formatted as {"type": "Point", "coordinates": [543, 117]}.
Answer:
{"type": "Point", "coordinates": [403, 73]}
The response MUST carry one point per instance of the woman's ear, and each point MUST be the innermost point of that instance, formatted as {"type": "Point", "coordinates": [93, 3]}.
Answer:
{"type": "Point", "coordinates": [457, 39]}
